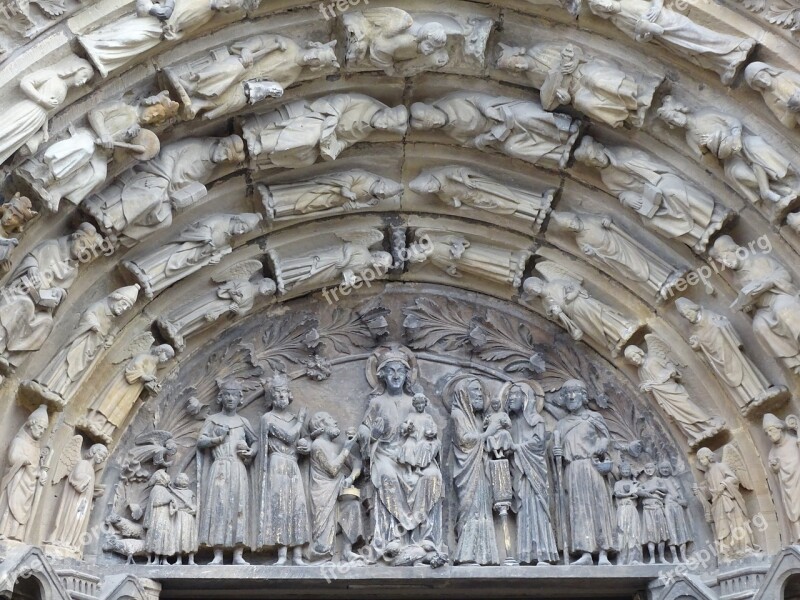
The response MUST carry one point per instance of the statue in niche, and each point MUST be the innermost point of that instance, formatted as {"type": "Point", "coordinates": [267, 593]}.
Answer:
{"type": "Point", "coordinates": [79, 492]}
{"type": "Point", "coordinates": [185, 520]}
{"type": "Point", "coordinates": [38, 285]}
{"type": "Point", "coordinates": [333, 470]}
{"type": "Point", "coordinates": [226, 447]}
{"type": "Point", "coordinates": [407, 504]}
{"type": "Point", "coordinates": [456, 256]}
{"type": "Point", "coordinates": [723, 501]}
{"type": "Point", "coordinates": [474, 525]}
{"type": "Point", "coordinates": [74, 167]}
{"type": "Point", "coordinates": [650, 20]}
{"type": "Point", "coordinates": [659, 374]}
{"type": "Point", "coordinates": [536, 542]}
{"type": "Point", "coordinates": [663, 199]}
{"type": "Point", "coordinates": [14, 216]}
{"type": "Point", "coordinates": [629, 537]}
{"type": "Point", "coordinates": [344, 191]}
{"type": "Point", "coordinates": [717, 340]}
{"type": "Point", "coordinates": [675, 505]}
{"type": "Point", "coordinates": [597, 87]}
{"type": "Point", "coordinates": [421, 445]}
{"type": "Point", "coordinates": [141, 200]}
{"type": "Point", "coordinates": [251, 70]}
{"type": "Point", "coordinates": [753, 168]}
{"type": "Point", "coordinates": [297, 134]}
{"type": "Point", "coordinates": [25, 123]}
{"type": "Point", "coordinates": [159, 520]}
{"type": "Point", "coordinates": [766, 288]}
{"type": "Point", "coordinates": [348, 260]}
{"type": "Point", "coordinates": [601, 240]}
{"type": "Point", "coordinates": [655, 532]}
{"type": "Point", "coordinates": [94, 333]}
{"type": "Point", "coordinates": [459, 186]}
{"type": "Point", "coordinates": [235, 295]}
{"type": "Point", "coordinates": [114, 45]}
{"type": "Point", "coordinates": [784, 460]}
{"type": "Point", "coordinates": [25, 475]}
{"type": "Point", "coordinates": [517, 128]}
{"type": "Point", "coordinates": [110, 409]}
{"type": "Point", "coordinates": [567, 303]}
{"type": "Point", "coordinates": [203, 243]}
{"type": "Point", "coordinates": [582, 440]}
{"type": "Point", "coordinates": [282, 513]}
{"type": "Point", "coordinates": [780, 89]}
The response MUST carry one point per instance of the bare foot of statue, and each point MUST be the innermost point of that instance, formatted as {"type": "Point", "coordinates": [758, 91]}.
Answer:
{"type": "Point", "coordinates": [297, 556]}
{"type": "Point", "coordinates": [281, 556]}
{"type": "Point", "coordinates": [603, 559]}
{"type": "Point", "coordinates": [217, 558]}
{"type": "Point", "coordinates": [586, 559]}
{"type": "Point", "coordinates": [238, 559]}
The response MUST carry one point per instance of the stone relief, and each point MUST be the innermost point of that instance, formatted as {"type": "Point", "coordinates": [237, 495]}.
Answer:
{"type": "Point", "coordinates": [717, 340]}
{"type": "Point", "coordinates": [659, 374]}
{"type": "Point", "coordinates": [597, 87]}
{"type": "Point", "coordinates": [400, 44]}
{"type": "Point", "coordinates": [784, 460]}
{"type": "Point", "coordinates": [626, 499]}
{"type": "Point", "coordinates": [142, 200]}
{"type": "Point", "coordinates": [780, 89]}
{"type": "Point", "coordinates": [297, 134]}
{"type": "Point", "coordinates": [15, 214]}
{"type": "Point", "coordinates": [665, 202]}
{"type": "Point", "coordinates": [652, 21]}
{"type": "Point", "coordinates": [337, 192]}
{"type": "Point", "coordinates": [20, 22]}
{"type": "Point", "coordinates": [459, 186]}
{"type": "Point", "coordinates": [517, 128]}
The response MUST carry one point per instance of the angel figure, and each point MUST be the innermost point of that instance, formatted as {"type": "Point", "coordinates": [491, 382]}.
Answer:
{"type": "Point", "coordinates": [567, 302]}
{"type": "Point", "coordinates": [235, 295]}
{"type": "Point", "coordinates": [722, 500]}
{"type": "Point", "coordinates": [14, 215]}
{"type": "Point", "coordinates": [343, 191]}
{"type": "Point", "coordinates": [111, 408]}
{"type": "Point", "coordinates": [780, 89]}
{"type": "Point", "coordinates": [350, 260]}
{"type": "Point", "coordinates": [659, 374]}
{"type": "Point", "coordinates": [459, 186]}
{"type": "Point", "coordinates": [157, 447]}
{"type": "Point", "coordinates": [79, 491]}
{"type": "Point", "coordinates": [784, 461]}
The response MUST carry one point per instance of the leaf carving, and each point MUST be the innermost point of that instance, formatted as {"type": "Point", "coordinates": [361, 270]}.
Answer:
{"type": "Point", "coordinates": [430, 324]}
{"type": "Point", "coordinates": [287, 342]}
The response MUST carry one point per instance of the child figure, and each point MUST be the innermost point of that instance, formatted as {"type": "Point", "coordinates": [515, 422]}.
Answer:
{"type": "Point", "coordinates": [421, 445]}
{"type": "Point", "coordinates": [626, 492]}
{"type": "Point", "coordinates": [501, 442]}
{"type": "Point", "coordinates": [185, 519]}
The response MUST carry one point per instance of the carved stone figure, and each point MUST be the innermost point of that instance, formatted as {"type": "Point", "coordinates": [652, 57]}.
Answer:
{"type": "Point", "coordinates": [142, 200]}
{"type": "Point", "coordinates": [459, 186]}
{"type": "Point", "coordinates": [474, 526]}
{"type": "Point", "coordinates": [784, 460]}
{"type": "Point", "coordinates": [19, 21]}
{"type": "Point", "coordinates": [655, 532]}
{"type": "Point", "coordinates": [235, 295]}
{"type": "Point", "coordinates": [421, 445]}
{"type": "Point", "coordinates": [680, 534]}
{"type": "Point", "coordinates": [582, 439]}
{"type": "Point", "coordinates": [349, 260]}
{"type": "Point", "coordinates": [79, 492]}
{"type": "Point", "coordinates": [185, 519]}
{"type": "Point", "coordinates": [159, 520]}
{"type": "Point", "coordinates": [723, 501]}
{"type": "Point", "coordinates": [500, 443]}
{"type": "Point", "coordinates": [25, 475]}
{"type": "Point", "coordinates": [74, 167]}
{"type": "Point", "coordinates": [629, 537]}
{"type": "Point", "coordinates": [155, 447]}
{"type": "Point", "coordinates": [517, 128]}
{"type": "Point", "coordinates": [251, 70]}
{"type": "Point", "coordinates": [113, 46]}
{"type": "Point", "coordinates": [717, 340]}
{"type": "Point", "coordinates": [203, 243]}
{"type": "Point", "coordinates": [766, 288]}
{"type": "Point", "coordinates": [14, 215]}
{"type": "Point", "coordinates": [297, 134]}
{"type": "Point", "coordinates": [659, 374]}
{"type": "Point", "coordinates": [456, 256]}
{"type": "Point", "coordinates": [753, 167]}
{"type": "Point", "coordinates": [535, 538]}
{"type": "Point", "coordinates": [780, 89]}
{"type": "Point", "coordinates": [597, 87]}
{"type": "Point", "coordinates": [226, 447]}
{"type": "Point", "coordinates": [94, 333]}
{"type": "Point", "coordinates": [25, 122]}
{"type": "Point", "coordinates": [567, 303]}
{"type": "Point", "coordinates": [650, 20]}
{"type": "Point", "coordinates": [663, 199]}
{"type": "Point", "coordinates": [602, 241]}
{"type": "Point", "coordinates": [339, 191]}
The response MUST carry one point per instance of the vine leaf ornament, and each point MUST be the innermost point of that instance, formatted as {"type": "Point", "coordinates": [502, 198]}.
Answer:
{"type": "Point", "coordinates": [342, 329]}
{"type": "Point", "coordinates": [430, 324]}
{"type": "Point", "coordinates": [784, 13]}
{"type": "Point", "coordinates": [287, 343]}
{"type": "Point", "coordinates": [497, 339]}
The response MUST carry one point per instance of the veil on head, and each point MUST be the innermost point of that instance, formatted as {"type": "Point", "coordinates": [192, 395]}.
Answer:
{"type": "Point", "coordinates": [386, 354]}
{"type": "Point", "coordinates": [533, 403]}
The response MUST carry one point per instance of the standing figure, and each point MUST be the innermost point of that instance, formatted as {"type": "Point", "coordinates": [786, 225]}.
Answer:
{"type": "Point", "coordinates": [655, 532]}
{"type": "Point", "coordinates": [629, 537]}
{"type": "Point", "coordinates": [535, 538]}
{"type": "Point", "coordinates": [780, 89]}
{"type": "Point", "coordinates": [282, 513]}
{"type": "Point", "coordinates": [784, 460]}
{"type": "Point", "coordinates": [159, 520]}
{"type": "Point", "coordinates": [584, 439]}
{"type": "Point", "coordinates": [675, 505]}
{"type": "Point", "coordinates": [226, 447]}
{"type": "Point", "coordinates": [185, 519]}
{"type": "Point", "coordinates": [500, 442]}
{"type": "Point", "coordinates": [421, 434]}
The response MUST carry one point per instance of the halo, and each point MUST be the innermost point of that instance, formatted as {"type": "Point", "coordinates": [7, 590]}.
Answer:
{"type": "Point", "coordinates": [381, 354]}
{"type": "Point", "coordinates": [536, 388]}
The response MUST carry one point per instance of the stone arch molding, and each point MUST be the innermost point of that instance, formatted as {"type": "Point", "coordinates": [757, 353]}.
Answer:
{"type": "Point", "coordinates": [201, 192]}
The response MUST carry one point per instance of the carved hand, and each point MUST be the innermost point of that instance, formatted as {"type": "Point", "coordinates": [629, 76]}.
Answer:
{"type": "Point", "coordinates": [558, 451]}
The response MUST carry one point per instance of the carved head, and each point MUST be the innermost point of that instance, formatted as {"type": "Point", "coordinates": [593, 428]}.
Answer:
{"type": "Point", "coordinates": [673, 113]}
{"type": "Point", "coordinates": [320, 56]}
{"type": "Point", "coordinates": [476, 394]}
{"type": "Point", "coordinates": [574, 394]}
{"type": "Point", "coordinates": [727, 252]}
{"type": "Point", "coordinates": [78, 73]}
{"type": "Point", "coordinates": [534, 286]}
{"type": "Point", "coordinates": [391, 119]}
{"type": "Point", "coordinates": [688, 309]}
{"type": "Point", "coordinates": [568, 221]}
{"type": "Point", "coordinates": [705, 457]}
{"type": "Point", "coordinates": [324, 423]}
{"type": "Point", "coordinates": [16, 213]}
{"type": "Point", "coordinates": [512, 58]}
{"type": "Point", "coordinates": [793, 221]}
{"type": "Point", "coordinates": [426, 117]}
{"type": "Point", "coordinates": [98, 453]}
{"type": "Point", "coordinates": [625, 470]}
{"type": "Point", "coordinates": [665, 468]}
{"type": "Point", "coordinates": [85, 243]}
{"type": "Point", "coordinates": [426, 183]}
{"type": "Point", "coordinates": [383, 188]}
{"type": "Point", "coordinates": [592, 153]}
{"type": "Point", "coordinates": [773, 427]}
{"type": "Point", "coordinates": [515, 400]}
{"type": "Point", "coordinates": [758, 75]}
{"type": "Point", "coordinates": [650, 469]}
{"type": "Point", "coordinates": [38, 422]}
{"type": "Point", "coordinates": [431, 36]}
{"type": "Point", "coordinates": [278, 391]}
{"type": "Point", "coordinates": [256, 91]}
{"type": "Point", "coordinates": [394, 373]}
{"type": "Point", "coordinates": [231, 394]}
{"type": "Point", "coordinates": [496, 403]}
{"type": "Point", "coordinates": [123, 299]}
{"type": "Point", "coordinates": [158, 109]}
{"type": "Point", "coordinates": [228, 149]}
{"type": "Point", "coordinates": [244, 223]}
{"type": "Point", "coordinates": [182, 481]}
{"type": "Point", "coordinates": [160, 477]}
{"type": "Point", "coordinates": [419, 402]}
{"type": "Point", "coordinates": [634, 355]}
{"type": "Point", "coordinates": [266, 287]}
{"type": "Point", "coordinates": [163, 352]}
